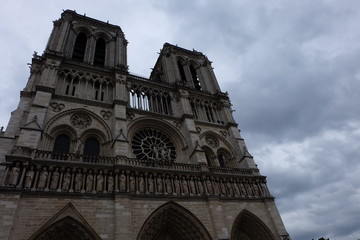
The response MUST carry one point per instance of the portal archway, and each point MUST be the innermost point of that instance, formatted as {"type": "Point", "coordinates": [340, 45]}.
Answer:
{"type": "Point", "coordinates": [173, 222]}
{"type": "Point", "coordinates": [247, 226]}
{"type": "Point", "coordinates": [66, 228]}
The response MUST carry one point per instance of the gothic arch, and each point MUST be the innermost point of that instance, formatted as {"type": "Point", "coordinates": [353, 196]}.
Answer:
{"type": "Point", "coordinates": [219, 146]}
{"type": "Point", "coordinates": [247, 226]}
{"type": "Point", "coordinates": [164, 127]}
{"type": "Point", "coordinates": [173, 222]}
{"type": "Point", "coordinates": [61, 124]}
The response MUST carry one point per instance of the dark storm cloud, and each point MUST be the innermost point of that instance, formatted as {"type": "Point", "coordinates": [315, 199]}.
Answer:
{"type": "Point", "coordinates": [293, 75]}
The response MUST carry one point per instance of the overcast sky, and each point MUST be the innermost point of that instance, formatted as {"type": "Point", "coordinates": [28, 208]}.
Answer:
{"type": "Point", "coordinates": [292, 69]}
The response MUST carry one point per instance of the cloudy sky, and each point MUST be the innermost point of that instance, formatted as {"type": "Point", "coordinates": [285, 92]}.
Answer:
{"type": "Point", "coordinates": [292, 69]}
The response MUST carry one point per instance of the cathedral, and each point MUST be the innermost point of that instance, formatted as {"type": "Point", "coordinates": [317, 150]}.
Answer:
{"type": "Point", "coordinates": [94, 152]}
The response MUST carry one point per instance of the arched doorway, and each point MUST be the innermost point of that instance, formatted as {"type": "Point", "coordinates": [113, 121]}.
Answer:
{"type": "Point", "coordinates": [173, 222]}
{"type": "Point", "coordinates": [249, 227]}
{"type": "Point", "coordinates": [66, 228]}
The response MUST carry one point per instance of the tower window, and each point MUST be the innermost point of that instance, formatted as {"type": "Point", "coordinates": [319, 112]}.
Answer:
{"type": "Point", "coordinates": [221, 160]}
{"type": "Point", "coordinates": [79, 48]}
{"type": "Point", "coordinates": [99, 58]}
{"type": "Point", "coordinates": [182, 72]}
{"type": "Point", "coordinates": [195, 78]}
{"type": "Point", "coordinates": [61, 147]}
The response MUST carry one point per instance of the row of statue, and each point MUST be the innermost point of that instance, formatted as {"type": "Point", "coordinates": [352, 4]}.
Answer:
{"type": "Point", "coordinates": [43, 178]}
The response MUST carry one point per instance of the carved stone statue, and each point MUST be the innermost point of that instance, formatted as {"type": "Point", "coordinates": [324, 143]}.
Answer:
{"type": "Point", "coordinates": [236, 189]}
{"type": "Point", "coordinates": [192, 186]}
{"type": "Point", "coordinates": [132, 183]}
{"type": "Point", "coordinates": [200, 186]}
{"type": "Point", "coordinates": [42, 179]}
{"type": "Point", "coordinates": [177, 185]}
{"type": "Point", "coordinates": [14, 175]}
{"type": "Point", "coordinates": [89, 182]}
{"type": "Point", "coordinates": [122, 180]}
{"type": "Point", "coordinates": [185, 186]}
{"type": "Point", "coordinates": [151, 184]}
{"type": "Point", "coordinates": [216, 188]}
{"type": "Point", "coordinates": [256, 190]}
{"type": "Point", "coordinates": [141, 184]}
{"type": "Point", "coordinates": [29, 177]}
{"type": "Point", "coordinates": [264, 189]}
{"type": "Point", "coordinates": [229, 188]}
{"type": "Point", "coordinates": [168, 185]}
{"type": "Point", "coordinates": [55, 179]}
{"type": "Point", "coordinates": [66, 181]}
{"type": "Point", "coordinates": [159, 183]}
{"type": "Point", "coordinates": [222, 187]}
{"type": "Point", "coordinates": [249, 189]}
{"type": "Point", "coordinates": [209, 186]}
{"type": "Point", "coordinates": [100, 182]}
{"type": "Point", "coordinates": [242, 189]}
{"type": "Point", "coordinates": [110, 183]}
{"type": "Point", "coordinates": [78, 181]}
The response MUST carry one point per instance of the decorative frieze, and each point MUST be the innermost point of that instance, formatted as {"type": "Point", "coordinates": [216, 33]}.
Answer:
{"type": "Point", "coordinates": [89, 179]}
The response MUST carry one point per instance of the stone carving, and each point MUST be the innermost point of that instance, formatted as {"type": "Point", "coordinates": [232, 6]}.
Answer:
{"type": "Point", "coordinates": [89, 182]}
{"type": "Point", "coordinates": [177, 185]}
{"type": "Point", "coordinates": [216, 188]}
{"type": "Point", "coordinates": [78, 181]}
{"type": "Point", "coordinates": [200, 186]}
{"type": "Point", "coordinates": [192, 186]}
{"type": "Point", "coordinates": [99, 182]}
{"type": "Point", "coordinates": [256, 190]}
{"type": "Point", "coordinates": [264, 189]}
{"type": "Point", "coordinates": [80, 120]}
{"type": "Point", "coordinates": [185, 186]}
{"type": "Point", "coordinates": [212, 141]}
{"type": "Point", "coordinates": [243, 190]}
{"type": "Point", "coordinates": [168, 186]}
{"type": "Point", "coordinates": [110, 183]}
{"type": "Point", "coordinates": [222, 187]}
{"type": "Point", "coordinates": [66, 181]}
{"type": "Point", "coordinates": [209, 187]}
{"type": "Point", "coordinates": [42, 179]}
{"type": "Point", "coordinates": [122, 180]}
{"type": "Point", "coordinates": [177, 124]}
{"type": "Point", "coordinates": [236, 189]}
{"type": "Point", "coordinates": [105, 114]}
{"type": "Point", "coordinates": [151, 184]}
{"type": "Point", "coordinates": [141, 184]}
{"type": "Point", "coordinates": [229, 188]}
{"type": "Point", "coordinates": [14, 175]}
{"type": "Point", "coordinates": [249, 189]}
{"type": "Point", "coordinates": [55, 179]}
{"type": "Point", "coordinates": [57, 107]}
{"type": "Point", "coordinates": [152, 145]}
{"type": "Point", "coordinates": [132, 183]}
{"type": "Point", "coordinates": [224, 133]}
{"type": "Point", "coordinates": [159, 183]}
{"type": "Point", "coordinates": [29, 177]}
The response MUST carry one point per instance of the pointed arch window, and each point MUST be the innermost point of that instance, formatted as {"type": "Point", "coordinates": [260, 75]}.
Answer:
{"type": "Point", "coordinates": [79, 47]}
{"type": "Point", "coordinates": [91, 147]}
{"type": "Point", "coordinates": [99, 58]}
{"type": "Point", "coordinates": [222, 160]}
{"type": "Point", "coordinates": [195, 78]}
{"type": "Point", "coordinates": [182, 72]}
{"type": "Point", "coordinates": [61, 147]}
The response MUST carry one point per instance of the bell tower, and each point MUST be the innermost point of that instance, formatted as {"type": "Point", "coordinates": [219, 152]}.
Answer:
{"type": "Point", "coordinates": [94, 152]}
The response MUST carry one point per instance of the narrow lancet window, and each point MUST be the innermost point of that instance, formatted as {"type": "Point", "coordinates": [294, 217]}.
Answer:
{"type": "Point", "coordinates": [99, 58]}
{"type": "Point", "coordinates": [195, 78]}
{"type": "Point", "coordinates": [79, 48]}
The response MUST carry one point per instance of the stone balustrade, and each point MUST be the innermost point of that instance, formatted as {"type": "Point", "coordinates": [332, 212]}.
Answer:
{"type": "Point", "coordinates": [75, 173]}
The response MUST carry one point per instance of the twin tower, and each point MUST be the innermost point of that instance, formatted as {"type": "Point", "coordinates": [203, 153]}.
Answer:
{"type": "Point", "coordinates": [94, 152]}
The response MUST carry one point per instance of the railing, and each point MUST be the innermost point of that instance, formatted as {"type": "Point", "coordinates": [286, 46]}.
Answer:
{"type": "Point", "coordinates": [76, 158]}
{"type": "Point", "coordinates": [36, 175]}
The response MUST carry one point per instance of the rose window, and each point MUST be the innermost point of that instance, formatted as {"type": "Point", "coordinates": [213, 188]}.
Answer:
{"type": "Point", "coordinates": [80, 121]}
{"type": "Point", "coordinates": [150, 144]}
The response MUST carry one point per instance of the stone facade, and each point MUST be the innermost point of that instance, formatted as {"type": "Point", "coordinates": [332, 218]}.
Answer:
{"type": "Point", "coordinates": [94, 152]}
